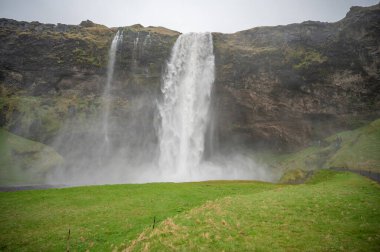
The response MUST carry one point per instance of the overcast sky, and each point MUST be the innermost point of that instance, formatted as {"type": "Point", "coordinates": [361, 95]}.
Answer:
{"type": "Point", "coordinates": [184, 16]}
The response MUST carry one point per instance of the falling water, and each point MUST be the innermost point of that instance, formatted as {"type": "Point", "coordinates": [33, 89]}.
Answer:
{"type": "Point", "coordinates": [107, 95]}
{"type": "Point", "coordinates": [135, 51]}
{"type": "Point", "coordinates": [185, 106]}
{"type": "Point", "coordinates": [124, 151]}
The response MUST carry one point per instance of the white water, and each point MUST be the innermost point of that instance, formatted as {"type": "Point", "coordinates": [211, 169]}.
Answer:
{"type": "Point", "coordinates": [135, 52]}
{"type": "Point", "coordinates": [185, 106]}
{"type": "Point", "coordinates": [185, 115]}
{"type": "Point", "coordinates": [117, 150]}
{"type": "Point", "coordinates": [107, 90]}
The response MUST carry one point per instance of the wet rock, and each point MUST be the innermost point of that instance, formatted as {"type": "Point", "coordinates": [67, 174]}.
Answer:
{"type": "Point", "coordinates": [278, 87]}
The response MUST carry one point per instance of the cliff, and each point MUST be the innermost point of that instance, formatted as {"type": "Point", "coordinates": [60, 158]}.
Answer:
{"type": "Point", "coordinates": [52, 73]}
{"type": "Point", "coordinates": [286, 86]}
{"type": "Point", "coordinates": [279, 87]}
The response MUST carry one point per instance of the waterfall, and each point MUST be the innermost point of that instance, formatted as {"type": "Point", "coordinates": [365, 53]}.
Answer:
{"type": "Point", "coordinates": [107, 94]}
{"type": "Point", "coordinates": [184, 109]}
{"type": "Point", "coordinates": [117, 149]}
{"type": "Point", "coordinates": [135, 51]}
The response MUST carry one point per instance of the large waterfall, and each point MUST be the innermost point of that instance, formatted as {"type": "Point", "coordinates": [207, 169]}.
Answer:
{"type": "Point", "coordinates": [185, 106]}
{"type": "Point", "coordinates": [143, 143]}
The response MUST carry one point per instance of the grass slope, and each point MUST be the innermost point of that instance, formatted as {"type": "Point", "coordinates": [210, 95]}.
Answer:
{"type": "Point", "coordinates": [334, 212]}
{"type": "Point", "coordinates": [23, 161]}
{"type": "Point", "coordinates": [359, 150]}
{"type": "Point", "coordinates": [100, 217]}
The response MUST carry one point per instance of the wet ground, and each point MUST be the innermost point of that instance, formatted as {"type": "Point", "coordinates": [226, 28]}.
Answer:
{"type": "Point", "coordinates": [369, 174]}
{"type": "Point", "coordinates": [28, 187]}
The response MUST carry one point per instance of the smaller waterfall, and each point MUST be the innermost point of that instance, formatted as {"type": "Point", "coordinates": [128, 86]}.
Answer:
{"type": "Point", "coordinates": [147, 42]}
{"type": "Point", "coordinates": [107, 90]}
{"type": "Point", "coordinates": [135, 52]}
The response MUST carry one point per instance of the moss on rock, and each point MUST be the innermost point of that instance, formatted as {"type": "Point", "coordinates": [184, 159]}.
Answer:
{"type": "Point", "coordinates": [23, 161]}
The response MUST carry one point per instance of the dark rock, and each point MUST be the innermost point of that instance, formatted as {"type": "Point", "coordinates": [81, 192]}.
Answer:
{"type": "Point", "coordinates": [87, 23]}
{"type": "Point", "coordinates": [284, 86]}
{"type": "Point", "coordinates": [278, 87]}
{"type": "Point", "coordinates": [65, 65]}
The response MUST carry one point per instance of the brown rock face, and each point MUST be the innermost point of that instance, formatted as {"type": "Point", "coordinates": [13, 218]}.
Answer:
{"type": "Point", "coordinates": [284, 86]}
{"type": "Point", "coordinates": [48, 71]}
{"type": "Point", "coordinates": [278, 87]}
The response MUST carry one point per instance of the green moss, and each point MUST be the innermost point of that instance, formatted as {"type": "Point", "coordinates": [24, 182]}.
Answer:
{"type": "Point", "coordinates": [84, 57]}
{"type": "Point", "coordinates": [41, 117]}
{"type": "Point", "coordinates": [293, 176]}
{"type": "Point", "coordinates": [87, 46]}
{"type": "Point", "coordinates": [303, 58]}
{"type": "Point", "coordinates": [23, 161]}
{"type": "Point", "coordinates": [359, 150]}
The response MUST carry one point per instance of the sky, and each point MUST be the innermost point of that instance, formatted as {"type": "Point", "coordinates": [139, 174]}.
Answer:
{"type": "Point", "coordinates": [181, 15]}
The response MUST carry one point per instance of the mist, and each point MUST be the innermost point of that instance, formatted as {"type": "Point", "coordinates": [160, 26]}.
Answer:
{"type": "Point", "coordinates": [160, 137]}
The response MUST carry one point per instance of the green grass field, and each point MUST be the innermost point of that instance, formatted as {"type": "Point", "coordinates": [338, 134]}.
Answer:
{"type": "Point", "coordinates": [333, 211]}
{"type": "Point", "coordinates": [330, 212]}
{"type": "Point", "coordinates": [100, 217]}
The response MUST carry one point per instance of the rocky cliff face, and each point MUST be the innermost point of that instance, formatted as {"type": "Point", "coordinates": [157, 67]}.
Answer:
{"type": "Point", "coordinates": [51, 73]}
{"type": "Point", "coordinates": [285, 86]}
{"type": "Point", "coordinates": [280, 87]}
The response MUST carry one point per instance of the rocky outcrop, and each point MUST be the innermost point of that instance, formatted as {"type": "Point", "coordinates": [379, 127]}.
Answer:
{"type": "Point", "coordinates": [285, 86]}
{"type": "Point", "coordinates": [279, 87]}
{"type": "Point", "coordinates": [50, 73]}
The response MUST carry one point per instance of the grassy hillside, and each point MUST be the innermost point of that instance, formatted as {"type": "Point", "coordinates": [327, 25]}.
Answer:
{"type": "Point", "coordinates": [101, 217]}
{"type": "Point", "coordinates": [23, 161]}
{"type": "Point", "coordinates": [359, 149]}
{"type": "Point", "coordinates": [41, 117]}
{"type": "Point", "coordinates": [334, 212]}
